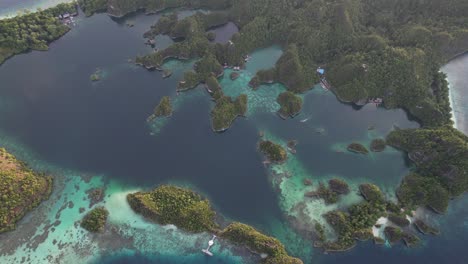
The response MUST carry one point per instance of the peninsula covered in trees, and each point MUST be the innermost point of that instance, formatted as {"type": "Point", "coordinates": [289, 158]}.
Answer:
{"type": "Point", "coordinates": [21, 190]}
{"type": "Point", "coordinates": [33, 31]}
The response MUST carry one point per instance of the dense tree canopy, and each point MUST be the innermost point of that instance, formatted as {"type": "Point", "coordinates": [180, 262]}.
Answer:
{"type": "Point", "coordinates": [20, 190]}
{"type": "Point", "coordinates": [33, 31]}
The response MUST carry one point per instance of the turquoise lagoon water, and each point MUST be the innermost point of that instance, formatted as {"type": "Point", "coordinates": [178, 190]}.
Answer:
{"type": "Point", "coordinates": [90, 135]}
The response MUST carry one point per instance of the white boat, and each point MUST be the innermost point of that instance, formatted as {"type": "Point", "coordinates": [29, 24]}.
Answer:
{"type": "Point", "coordinates": [210, 244]}
{"type": "Point", "coordinates": [207, 252]}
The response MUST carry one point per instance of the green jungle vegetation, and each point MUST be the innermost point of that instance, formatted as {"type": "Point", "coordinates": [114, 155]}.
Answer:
{"type": "Point", "coordinates": [330, 194]}
{"type": "Point", "coordinates": [164, 108]}
{"type": "Point", "coordinates": [95, 220]}
{"type": "Point", "coordinates": [90, 7]}
{"type": "Point", "coordinates": [378, 145]}
{"type": "Point", "coordinates": [246, 235]}
{"type": "Point", "coordinates": [441, 158]}
{"type": "Point", "coordinates": [21, 190]}
{"type": "Point", "coordinates": [357, 148]}
{"type": "Point", "coordinates": [388, 49]}
{"type": "Point", "coordinates": [226, 111]}
{"type": "Point", "coordinates": [168, 204]}
{"type": "Point", "coordinates": [371, 49]}
{"type": "Point", "coordinates": [274, 152]}
{"type": "Point", "coordinates": [398, 220]}
{"type": "Point", "coordinates": [355, 223]}
{"type": "Point", "coordinates": [96, 76]}
{"type": "Point", "coordinates": [290, 103]}
{"type": "Point", "coordinates": [32, 31]}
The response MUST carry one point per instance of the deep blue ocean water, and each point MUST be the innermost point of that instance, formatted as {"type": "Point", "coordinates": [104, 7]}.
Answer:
{"type": "Point", "coordinates": [48, 104]}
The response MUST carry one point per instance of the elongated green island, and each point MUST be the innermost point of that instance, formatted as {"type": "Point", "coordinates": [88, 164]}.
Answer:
{"type": "Point", "coordinates": [95, 220]}
{"type": "Point", "coordinates": [168, 204]}
{"type": "Point", "coordinates": [34, 31]}
{"type": "Point", "coordinates": [272, 151]}
{"type": "Point", "coordinates": [173, 205]}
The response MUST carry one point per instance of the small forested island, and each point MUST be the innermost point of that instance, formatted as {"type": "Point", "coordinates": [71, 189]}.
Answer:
{"type": "Point", "coordinates": [357, 148]}
{"type": "Point", "coordinates": [96, 76]}
{"type": "Point", "coordinates": [356, 222]}
{"type": "Point", "coordinates": [90, 7]}
{"type": "Point", "coordinates": [168, 204]}
{"type": "Point", "coordinates": [290, 104]}
{"type": "Point", "coordinates": [330, 195]}
{"type": "Point", "coordinates": [425, 228]}
{"type": "Point", "coordinates": [163, 109]}
{"type": "Point", "coordinates": [273, 152]}
{"type": "Point", "coordinates": [21, 190]}
{"type": "Point", "coordinates": [292, 146]}
{"type": "Point", "coordinates": [399, 220]}
{"type": "Point", "coordinates": [226, 111]}
{"type": "Point", "coordinates": [95, 220]}
{"type": "Point", "coordinates": [378, 145]}
{"type": "Point", "coordinates": [33, 31]}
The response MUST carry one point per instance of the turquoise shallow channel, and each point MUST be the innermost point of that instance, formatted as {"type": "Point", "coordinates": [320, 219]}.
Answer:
{"type": "Point", "coordinates": [95, 135]}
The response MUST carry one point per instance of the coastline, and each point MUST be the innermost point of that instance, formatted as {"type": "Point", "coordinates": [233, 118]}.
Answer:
{"type": "Point", "coordinates": [452, 112]}
{"type": "Point", "coordinates": [452, 76]}
{"type": "Point", "coordinates": [452, 101]}
{"type": "Point", "coordinates": [32, 7]}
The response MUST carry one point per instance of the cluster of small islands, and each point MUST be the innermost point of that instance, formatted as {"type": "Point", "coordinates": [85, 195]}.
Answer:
{"type": "Point", "coordinates": [387, 49]}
